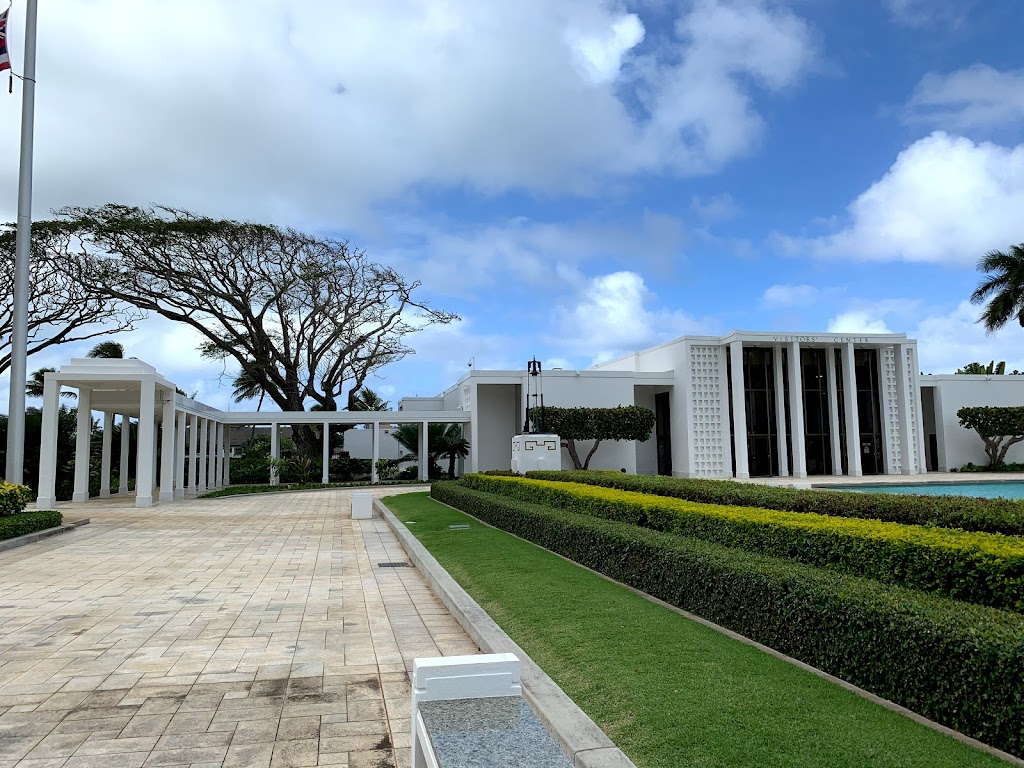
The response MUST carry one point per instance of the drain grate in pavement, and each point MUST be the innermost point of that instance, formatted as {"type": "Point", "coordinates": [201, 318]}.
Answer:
{"type": "Point", "coordinates": [393, 565]}
{"type": "Point", "coordinates": [458, 527]}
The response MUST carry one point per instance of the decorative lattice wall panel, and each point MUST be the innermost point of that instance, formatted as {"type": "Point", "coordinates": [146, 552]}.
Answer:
{"type": "Point", "coordinates": [891, 412]}
{"type": "Point", "coordinates": [913, 447]}
{"type": "Point", "coordinates": [708, 386]}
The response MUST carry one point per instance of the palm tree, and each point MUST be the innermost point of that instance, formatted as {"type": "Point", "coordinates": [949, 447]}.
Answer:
{"type": "Point", "coordinates": [366, 399]}
{"type": "Point", "coordinates": [452, 444]}
{"type": "Point", "coordinates": [245, 387]}
{"type": "Point", "coordinates": [1002, 288]}
{"type": "Point", "coordinates": [992, 369]}
{"type": "Point", "coordinates": [107, 350]}
{"type": "Point", "coordinates": [34, 386]}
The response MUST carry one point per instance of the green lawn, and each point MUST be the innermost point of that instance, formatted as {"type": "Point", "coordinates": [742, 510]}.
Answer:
{"type": "Point", "coordinates": [670, 692]}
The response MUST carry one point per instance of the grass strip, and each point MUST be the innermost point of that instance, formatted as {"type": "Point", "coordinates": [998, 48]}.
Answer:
{"type": "Point", "coordinates": [968, 513]}
{"type": "Point", "coordinates": [239, 490]}
{"type": "Point", "coordinates": [667, 690]}
{"type": "Point", "coordinates": [983, 568]}
{"type": "Point", "coordinates": [24, 523]}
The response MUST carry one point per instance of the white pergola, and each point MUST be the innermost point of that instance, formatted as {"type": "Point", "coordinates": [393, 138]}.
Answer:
{"type": "Point", "coordinates": [173, 428]}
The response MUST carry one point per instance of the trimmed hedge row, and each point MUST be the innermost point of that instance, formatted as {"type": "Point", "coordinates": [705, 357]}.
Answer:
{"type": "Point", "coordinates": [956, 663]}
{"type": "Point", "coordinates": [965, 512]}
{"type": "Point", "coordinates": [13, 498]}
{"type": "Point", "coordinates": [24, 523]}
{"type": "Point", "coordinates": [979, 567]}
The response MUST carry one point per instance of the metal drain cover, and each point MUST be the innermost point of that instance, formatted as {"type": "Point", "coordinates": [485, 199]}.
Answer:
{"type": "Point", "coordinates": [458, 527]}
{"type": "Point", "coordinates": [393, 565]}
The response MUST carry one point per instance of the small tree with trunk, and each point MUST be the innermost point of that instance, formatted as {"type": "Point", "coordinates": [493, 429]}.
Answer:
{"type": "Point", "coordinates": [624, 422]}
{"type": "Point", "coordinates": [999, 428]}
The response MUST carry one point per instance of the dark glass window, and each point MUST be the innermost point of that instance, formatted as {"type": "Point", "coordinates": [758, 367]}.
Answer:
{"type": "Point", "coordinates": [817, 432]}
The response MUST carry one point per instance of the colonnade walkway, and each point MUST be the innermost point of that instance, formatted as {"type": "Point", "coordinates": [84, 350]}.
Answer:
{"type": "Point", "coordinates": [256, 631]}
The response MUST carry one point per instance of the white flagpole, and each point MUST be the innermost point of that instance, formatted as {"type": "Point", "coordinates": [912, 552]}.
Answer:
{"type": "Point", "coordinates": [19, 325]}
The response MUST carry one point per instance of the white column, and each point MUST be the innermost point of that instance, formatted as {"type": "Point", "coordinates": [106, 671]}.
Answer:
{"type": "Point", "coordinates": [179, 456]}
{"type": "Point", "coordinates": [193, 455]}
{"type": "Point", "coordinates": [908, 440]}
{"type": "Point", "coordinates": [122, 464]}
{"type": "Point", "coordinates": [218, 464]}
{"type": "Point", "coordinates": [325, 470]}
{"type": "Point", "coordinates": [204, 431]}
{"type": "Point", "coordinates": [780, 411]}
{"type": "Point", "coordinates": [227, 456]}
{"type": "Point", "coordinates": [144, 444]}
{"type": "Point", "coordinates": [156, 443]}
{"type": "Point", "coordinates": [739, 411]}
{"type": "Point", "coordinates": [167, 451]}
{"type": "Point", "coordinates": [48, 444]}
{"type": "Point", "coordinates": [375, 452]}
{"type": "Point", "coordinates": [211, 458]}
{"type": "Point", "coordinates": [796, 411]}
{"type": "Point", "coordinates": [833, 410]}
{"type": "Point", "coordinates": [275, 453]}
{"type": "Point", "coordinates": [108, 439]}
{"type": "Point", "coordinates": [915, 392]}
{"type": "Point", "coordinates": [424, 466]}
{"type": "Point", "coordinates": [82, 437]}
{"type": "Point", "coordinates": [851, 412]}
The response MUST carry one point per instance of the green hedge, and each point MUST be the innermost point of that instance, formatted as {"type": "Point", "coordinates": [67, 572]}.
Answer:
{"type": "Point", "coordinates": [965, 512]}
{"type": "Point", "coordinates": [956, 663]}
{"type": "Point", "coordinates": [12, 526]}
{"type": "Point", "coordinates": [983, 568]}
{"type": "Point", "coordinates": [13, 498]}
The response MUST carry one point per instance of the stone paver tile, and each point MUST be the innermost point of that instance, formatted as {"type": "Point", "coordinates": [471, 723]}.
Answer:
{"type": "Point", "coordinates": [190, 722]}
{"type": "Point", "coordinates": [372, 759]}
{"type": "Point", "coordinates": [186, 756]}
{"type": "Point", "coordinates": [293, 728]}
{"type": "Point", "coordinates": [92, 746]}
{"type": "Point", "coordinates": [191, 740]}
{"type": "Point", "coordinates": [249, 755]}
{"type": "Point", "coordinates": [126, 760]}
{"type": "Point", "coordinates": [295, 754]}
{"type": "Point", "coordinates": [146, 725]}
{"type": "Point", "coordinates": [61, 745]}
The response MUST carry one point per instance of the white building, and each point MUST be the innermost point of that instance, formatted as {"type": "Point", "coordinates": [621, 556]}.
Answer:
{"type": "Point", "coordinates": [743, 405]}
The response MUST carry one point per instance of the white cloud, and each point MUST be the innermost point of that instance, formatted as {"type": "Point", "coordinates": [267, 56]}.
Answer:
{"type": "Point", "coordinates": [716, 208]}
{"type": "Point", "coordinates": [857, 321]}
{"type": "Point", "coordinates": [612, 317]}
{"type": "Point", "coordinates": [309, 113]}
{"type": "Point", "coordinates": [924, 13]}
{"type": "Point", "coordinates": [975, 97]}
{"type": "Point", "coordinates": [946, 199]}
{"type": "Point", "coordinates": [778, 296]}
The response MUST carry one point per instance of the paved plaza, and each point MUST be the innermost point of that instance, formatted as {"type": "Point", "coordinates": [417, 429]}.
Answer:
{"type": "Point", "coordinates": [247, 631]}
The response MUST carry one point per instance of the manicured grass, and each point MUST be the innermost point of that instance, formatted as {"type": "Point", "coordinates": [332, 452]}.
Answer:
{"type": "Point", "coordinates": [669, 691]}
{"type": "Point", "coordinates": [23, 523]}
{"type": "Point", "coordinates": [238, 490]}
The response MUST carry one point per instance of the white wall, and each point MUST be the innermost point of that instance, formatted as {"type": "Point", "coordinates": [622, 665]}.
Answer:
{"type": "Point", "coordinates": [957, 445]}
{"type": "Point", "coordinates": [358, 443]}
{"type": "Point", "coordinates": [496, 410]}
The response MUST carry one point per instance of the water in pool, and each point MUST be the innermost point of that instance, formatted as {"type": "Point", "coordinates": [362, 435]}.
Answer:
{"type": "Point", "coordinates": [1006, 490]}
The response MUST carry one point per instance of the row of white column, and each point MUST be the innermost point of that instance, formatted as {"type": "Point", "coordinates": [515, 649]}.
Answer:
{"type": "Point", "coordinates": [207, 467]}
{"type": "Point", "coordinates": [850, 415]}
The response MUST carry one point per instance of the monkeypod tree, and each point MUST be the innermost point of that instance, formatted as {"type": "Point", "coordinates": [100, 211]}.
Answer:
{"type": "Point", "coordinates": [624, 422]}
{"type": "Point", "coordinates": [999, 428]}
{"type": "Point", "coordinates": [306, 319]}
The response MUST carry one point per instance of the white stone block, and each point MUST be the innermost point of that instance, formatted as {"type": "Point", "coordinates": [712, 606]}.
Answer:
{"type": "Point", "coordinates": [536, 452]}
{"type": "Point", "coordinates": [362, 505]}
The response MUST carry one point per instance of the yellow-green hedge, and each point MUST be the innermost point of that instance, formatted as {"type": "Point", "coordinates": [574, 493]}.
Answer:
{"type": "Point", "coordinates": [979, 567]}
{"type": "Point", "coordinates": [13, 498]}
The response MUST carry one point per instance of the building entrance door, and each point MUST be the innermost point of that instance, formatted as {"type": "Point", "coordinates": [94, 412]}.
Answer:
{"type": "Point", "coordinates": [663, 432]}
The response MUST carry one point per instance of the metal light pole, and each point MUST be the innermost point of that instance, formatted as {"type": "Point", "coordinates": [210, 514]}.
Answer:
{"type": "Point", "coordinates": [19, 324]}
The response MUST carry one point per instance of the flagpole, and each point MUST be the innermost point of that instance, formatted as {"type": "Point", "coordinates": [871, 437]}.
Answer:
{"type": "Point", "coordinates": [19, 325]}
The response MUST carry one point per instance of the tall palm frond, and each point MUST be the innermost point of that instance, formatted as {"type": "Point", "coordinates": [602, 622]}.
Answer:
{"type": "Point", "coordinates": [34, 385]}
{"type": "Point", "coordinates": [1002, 288]}
{"type": "Point", "coordinates": [107, 350]}
{"type": "Point", "coordinates": [366, 399]}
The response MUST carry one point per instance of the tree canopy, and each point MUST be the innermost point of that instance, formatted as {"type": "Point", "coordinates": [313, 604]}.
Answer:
{"type": "Point", "coordinates": [306, 319]}
{"type": "Point", "coordinates": [1002, 290]}
{"type": "Point", "coordinates": [61, 309]}
{"type": "Point", "coordinates": [624, 422]}
{"type": "Point", "coordinates": [999, 427]}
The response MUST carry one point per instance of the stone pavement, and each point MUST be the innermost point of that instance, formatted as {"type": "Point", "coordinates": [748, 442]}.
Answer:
{"type": "Point", "coordinates": [247, 631]}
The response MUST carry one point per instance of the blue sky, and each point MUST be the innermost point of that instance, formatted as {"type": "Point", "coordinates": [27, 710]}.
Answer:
{"type": "Point", "coordinates": [576, 179]}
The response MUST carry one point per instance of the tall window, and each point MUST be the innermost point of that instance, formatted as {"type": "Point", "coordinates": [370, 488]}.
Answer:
{"type": "Point", "coordinates": [817, 427]}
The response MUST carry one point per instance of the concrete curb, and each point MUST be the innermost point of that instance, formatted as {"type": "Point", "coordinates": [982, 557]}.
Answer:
{"type": "Point", "coordinates": [413, 487]}
{"type": "Point", "coordinates": [30, 538]}
{"type": "Point", "coordinates": [586, 745]}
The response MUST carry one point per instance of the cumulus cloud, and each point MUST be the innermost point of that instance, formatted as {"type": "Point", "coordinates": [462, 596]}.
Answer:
{"type": "Point", "coordinates": [308, 113]}
{"type": "Point", "coordinates": [613, 316]}
{"type": "Point", "coordinates": [924, 13]}
{"type": "Point", "coordinates": [857, 321]}
{"type": "Point", "coordinates": [946, 199]}
{"type": "Point", "coordinates": [975, 97]}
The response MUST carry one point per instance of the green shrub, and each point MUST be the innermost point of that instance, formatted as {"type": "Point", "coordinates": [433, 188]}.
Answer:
{"type": "Point", "coordinates": [965, 512]}
{"type": "Point", "coordinates": [24, 523]}
{"type": "Point", "coordinates": [956, 663]}
{"type": "Point", "coordinates": [13, 498]}
{"type": "Point", "coordinates": [980, 567]}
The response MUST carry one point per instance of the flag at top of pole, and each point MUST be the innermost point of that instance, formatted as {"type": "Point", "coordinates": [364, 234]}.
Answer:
{"type": "Point", "coordinates": [5, 55]}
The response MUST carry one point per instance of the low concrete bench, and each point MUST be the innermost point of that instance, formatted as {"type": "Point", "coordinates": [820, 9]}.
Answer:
{"type": "Point", "coordinates": [468, 712]}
